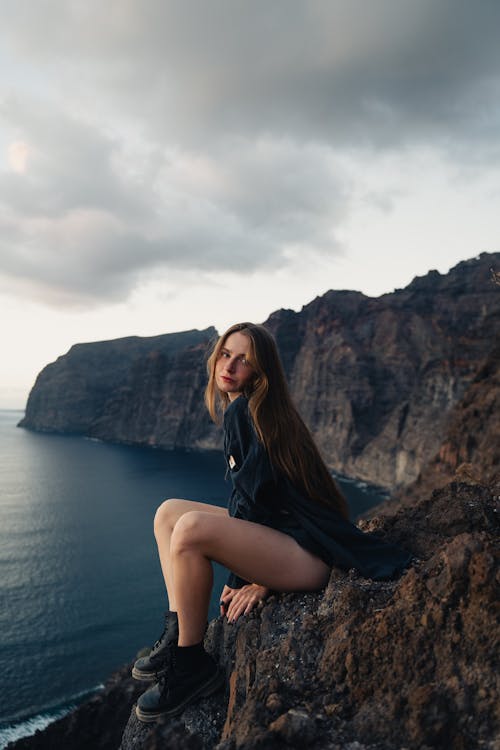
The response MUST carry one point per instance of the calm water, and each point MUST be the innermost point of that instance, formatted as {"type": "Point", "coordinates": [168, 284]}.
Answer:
{"type": "Point", "coordinates": [80, 584]}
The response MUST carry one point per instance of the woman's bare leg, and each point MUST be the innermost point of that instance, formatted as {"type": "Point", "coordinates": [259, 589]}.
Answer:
{"type": "Point", "coordinates": [166, 517]}
{"type": "Point", "coordinates": [256, 553]}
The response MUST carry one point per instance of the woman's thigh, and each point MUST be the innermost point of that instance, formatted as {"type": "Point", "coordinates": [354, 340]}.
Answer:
{"type": "Point", "coordinates": [255, 552]}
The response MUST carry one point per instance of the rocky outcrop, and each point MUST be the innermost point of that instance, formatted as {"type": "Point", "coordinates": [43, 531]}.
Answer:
{"type": "Point", "coordinates": [146, 391]}
{"type": "Point", "coordinates": [377, 379]}
{"type": "Point", "coordinates": [471, 446]}
{"type": "Point", "coordinates": [362, 665]}
{"type": "Point", "coordinates": [470, 449]}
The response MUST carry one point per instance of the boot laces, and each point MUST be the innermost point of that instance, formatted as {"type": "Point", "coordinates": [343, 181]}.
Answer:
{"type": "Point", "coordinates": [159, 643]}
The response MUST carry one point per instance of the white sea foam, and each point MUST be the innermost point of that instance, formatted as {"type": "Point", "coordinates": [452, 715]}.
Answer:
{"type": "Point", "coordinates": [10, 732]}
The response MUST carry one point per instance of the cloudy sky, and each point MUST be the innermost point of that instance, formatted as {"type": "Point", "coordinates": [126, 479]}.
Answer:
{"type": "Point", "coordinates": [173, 164]}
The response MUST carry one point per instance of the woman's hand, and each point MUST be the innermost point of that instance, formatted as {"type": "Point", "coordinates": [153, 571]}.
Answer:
{"type": "Point", "coordinates": [236, 602]}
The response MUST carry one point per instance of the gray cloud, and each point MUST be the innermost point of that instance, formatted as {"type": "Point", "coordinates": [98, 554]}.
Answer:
{"type": "Point", "coordinates": [85, 223]}
{"type": "Point", "coordinates": [336, 71]}
{"type": "Point", "coordinates": [192, 135]}
{"type": "Point", "coordinates": [70, 163]}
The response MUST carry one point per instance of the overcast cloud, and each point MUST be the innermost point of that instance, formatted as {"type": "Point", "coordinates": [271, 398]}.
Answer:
{"type": "Point", "coordinates": [144, 137]}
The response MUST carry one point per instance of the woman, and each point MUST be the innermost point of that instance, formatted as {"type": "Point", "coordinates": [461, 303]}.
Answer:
{"type": "Point", "coordinates": [285, 527]}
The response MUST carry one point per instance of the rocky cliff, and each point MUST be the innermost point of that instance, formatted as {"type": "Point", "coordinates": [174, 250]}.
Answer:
{"type": "Point", "coordinates": [359, 666]}
{"type": "Point", "coordinates": [470, 447]}
{"type": "Point", "coordinates": [471, 444]}
{"type": "Point", "coordinates": [146, 391]}
{"type": "Point", "coordinates": [376, 379]}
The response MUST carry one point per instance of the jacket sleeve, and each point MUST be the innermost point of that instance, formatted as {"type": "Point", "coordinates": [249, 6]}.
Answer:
{"type": "Point", "coordinates": [252, 476]}
{"type": "Point", "coordinates": [250, 470]}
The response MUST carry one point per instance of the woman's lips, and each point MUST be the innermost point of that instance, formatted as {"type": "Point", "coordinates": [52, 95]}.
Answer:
{"type": "Point", "coordinates": [226, 379]}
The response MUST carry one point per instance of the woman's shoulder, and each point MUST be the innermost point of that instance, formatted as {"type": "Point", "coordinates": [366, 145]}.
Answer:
{"type": "Point", "coordinates": [237, 420]}
{"type": "Point", "coordinates": [237, 409]}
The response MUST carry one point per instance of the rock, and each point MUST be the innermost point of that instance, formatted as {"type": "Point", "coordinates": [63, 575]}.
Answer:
{"type": "Point", "coordinates": [132, 390]}
{"type": "Point", "coordinates": [376, 379]}
{"type": "Point", "coordinates": [470, 448]}
{"type": "Point", "coordinates": [294, 726]}
{"type": "Point", "coordinates": [408, 664]}
{"type": "Point", "coordinates": [96, 724]}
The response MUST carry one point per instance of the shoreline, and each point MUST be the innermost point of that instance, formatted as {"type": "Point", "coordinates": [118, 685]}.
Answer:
{"type": "Point", "coordinates": [48, 710]}
{"type": "Point", "coordinates": [21, 727]}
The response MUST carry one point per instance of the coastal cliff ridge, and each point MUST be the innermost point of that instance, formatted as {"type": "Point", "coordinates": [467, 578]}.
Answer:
{"type": "Point", "coordinates": [376, 379]}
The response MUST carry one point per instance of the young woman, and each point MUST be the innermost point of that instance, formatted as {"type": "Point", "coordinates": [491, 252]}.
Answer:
{"type": "Point", "coordinates": [285, 527]}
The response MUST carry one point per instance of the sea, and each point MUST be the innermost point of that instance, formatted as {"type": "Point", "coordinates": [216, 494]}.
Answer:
{"type": "Point", "coordinates": [81, 590]}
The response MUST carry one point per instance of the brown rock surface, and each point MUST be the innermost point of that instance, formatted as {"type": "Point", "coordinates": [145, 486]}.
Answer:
{"type": "Point", "coordinates": [377, 379]}
{"type": "Point", "coordinates": [362, 665]}
{"type": "Point", "coordinates": [470, 449]}
{"type": "Point", "coordinates": [471, 445]}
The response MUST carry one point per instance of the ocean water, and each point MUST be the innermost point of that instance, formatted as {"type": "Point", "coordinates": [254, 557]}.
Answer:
{"type": "Point", "coordinates": [80, 583]}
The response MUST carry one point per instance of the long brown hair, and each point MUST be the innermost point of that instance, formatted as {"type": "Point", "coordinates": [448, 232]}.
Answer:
{"type": "Point", "coordinates": [277, 422]}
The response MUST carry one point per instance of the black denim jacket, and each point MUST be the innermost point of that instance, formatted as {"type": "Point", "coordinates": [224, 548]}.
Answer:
{"type": "Point", "coordinates": [262, 495]}
{"type": "Point", "coordinates": [254, 493]}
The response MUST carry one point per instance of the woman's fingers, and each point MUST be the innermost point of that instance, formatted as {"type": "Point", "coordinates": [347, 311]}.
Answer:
{"type": "Point", "coordinates": [233, 609]}
{"type": "Point", "coordinates": [244, 600]}
{"type": "Point", "coordinates": [226, 598]}
{"type": "Point", "coordinates": [234, 612]}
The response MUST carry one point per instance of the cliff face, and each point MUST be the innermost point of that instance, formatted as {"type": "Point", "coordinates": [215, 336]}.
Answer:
{"type": "Point", "coordinates": [469, 450]}
{"type": "Point", "coordinates": [375, 378]}
{"type": "Point", "coordinates": [378, 378]}
{"type": "Point", "coordinates": [361, 665]}
{"type": "Point", "coordinates": [147, 391]}
{"type": "Point", "coordinates": [471, 445]}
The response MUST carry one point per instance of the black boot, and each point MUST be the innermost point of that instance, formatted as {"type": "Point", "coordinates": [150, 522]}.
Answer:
{"type": "Point", "coordinates": [193, 675]}
{"type": "Point", "coordinates": [150, 668]}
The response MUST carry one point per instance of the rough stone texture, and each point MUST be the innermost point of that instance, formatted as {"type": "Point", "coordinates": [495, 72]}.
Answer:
{"type": "Point", "coordinates": [362, 665]}
{"type": "Point", "coordinates": [146, 391]}
{"type": "Point", "coordinates": [378, 378]}
{"type": "Point", "coordinates": [375, 379]}
{"type": "Point", "coordinates": [473, 435]}
{"type": "Point", "coordinates": [470, 450]}
{"type": "Point", "coordinates": [471, 446]}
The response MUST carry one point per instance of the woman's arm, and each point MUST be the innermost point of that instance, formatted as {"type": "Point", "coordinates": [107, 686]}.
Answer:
{"type": "Point", "coordinates": [254, 482]}
{"type": "Point", "coordinates": [250, 471]}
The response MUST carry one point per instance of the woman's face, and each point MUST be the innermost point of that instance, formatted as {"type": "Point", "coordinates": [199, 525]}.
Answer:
{"type": "Point", "coordinates": [232, 370]}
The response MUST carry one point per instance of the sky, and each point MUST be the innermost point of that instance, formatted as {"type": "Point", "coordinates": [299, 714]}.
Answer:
{"type": "Point", "coordinates": [175, 164]}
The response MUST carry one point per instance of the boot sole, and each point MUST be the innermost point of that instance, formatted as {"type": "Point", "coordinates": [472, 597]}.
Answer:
{"type": "Point", "coordinates": [203, 691]}
{"type": "Point", "coordinates": [147, 676]}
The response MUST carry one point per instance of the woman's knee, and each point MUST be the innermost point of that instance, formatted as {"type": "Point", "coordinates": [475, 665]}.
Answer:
{"type": "Point", "coordinates": [189, 531]}
{"type": "Point", "coordinates": [166, 516]}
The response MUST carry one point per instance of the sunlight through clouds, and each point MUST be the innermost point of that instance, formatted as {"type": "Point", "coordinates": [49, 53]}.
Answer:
{"type": "Point", "coordinates": [18, 154]}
